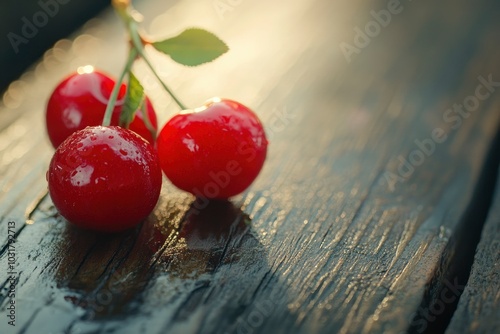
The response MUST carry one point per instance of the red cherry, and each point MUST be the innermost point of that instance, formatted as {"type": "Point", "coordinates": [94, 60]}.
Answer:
{"type": "Point", "coordinates": [104, 178]}
{"type": "Point", "coordinates": [80, 101]}
{"type": "Point", "coordinates": [215, 151]}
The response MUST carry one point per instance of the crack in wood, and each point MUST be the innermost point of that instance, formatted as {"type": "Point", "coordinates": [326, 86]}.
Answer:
{"type": "Point", "coordinates": [458, 258]}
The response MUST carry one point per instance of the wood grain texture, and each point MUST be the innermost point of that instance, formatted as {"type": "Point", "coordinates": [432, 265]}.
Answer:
{"type": "Point", "coordinates": [479, 307]}
{"type": "Point", "coordinates": [336, 235]}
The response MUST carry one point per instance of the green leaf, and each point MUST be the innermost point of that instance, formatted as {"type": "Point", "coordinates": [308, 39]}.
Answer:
{"type": "Point", "coordinates": [133, 100]}
{"type": "Point", "coordinates": [193, 47]}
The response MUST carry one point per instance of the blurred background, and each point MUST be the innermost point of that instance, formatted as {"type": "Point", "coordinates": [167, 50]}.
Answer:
{"type": "Point", "coordinates": [30, 27]}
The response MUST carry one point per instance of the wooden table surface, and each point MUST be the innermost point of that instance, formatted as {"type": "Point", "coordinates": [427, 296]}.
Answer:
{"type": "Point", "coordinates": [376, 208]}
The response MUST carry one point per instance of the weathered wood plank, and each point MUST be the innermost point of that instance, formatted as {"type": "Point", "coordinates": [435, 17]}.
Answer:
{"type": "Point", "coordinates": [336, 235]}
{"type": "Point", "coordinates": [479, 307]}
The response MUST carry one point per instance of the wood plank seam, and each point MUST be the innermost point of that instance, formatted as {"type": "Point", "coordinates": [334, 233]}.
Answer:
{"type": "Point", "coordinates": [457, 260]}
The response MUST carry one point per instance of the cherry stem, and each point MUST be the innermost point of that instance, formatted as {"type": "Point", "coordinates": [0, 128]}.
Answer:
{"type": "Point", "coordinates": [131, 17]}
{"type": "Point", "coordinates": [137, 41]}
{"type": "Point", "coordinates": [116, 89]}
{"type": "Point", "coordinates": [147, 121]}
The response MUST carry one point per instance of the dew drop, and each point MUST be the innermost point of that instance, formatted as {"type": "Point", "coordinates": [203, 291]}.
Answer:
{"type": "Point", "coordinates": [99, 179]}
{"type": "Point", "coordinates": [123, 152]}
{"type": "Point", "coordinates": [111, 137]}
